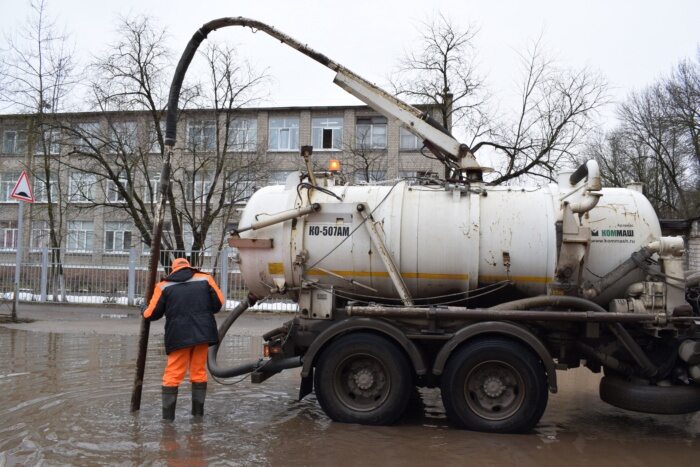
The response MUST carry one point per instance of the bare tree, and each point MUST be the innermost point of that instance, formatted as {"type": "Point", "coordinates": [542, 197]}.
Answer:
{"type": "Point", "coordinates": [39, 73]}
{"type": "Point", "coordinates": [656, 143]}
{"type": "Point", "coordinates": [220, 170]}
{"type": "Point", "coordinates": [549, 125]}
{"type": "Point", "coordinates": [552, 120]}
{"type": "Point", "coordinates": [122, 153]}
{"type": "Point", "coordinates": [442, 73]}
{"type": "Point", "coordinates": [363, 162]}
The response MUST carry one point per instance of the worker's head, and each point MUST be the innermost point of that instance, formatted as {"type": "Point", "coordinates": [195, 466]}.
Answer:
{"type": "Point", "coordinates": [180, 263]}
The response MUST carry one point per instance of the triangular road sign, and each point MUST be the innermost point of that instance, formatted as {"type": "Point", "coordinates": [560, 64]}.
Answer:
{"type": "Point", "coordinates": [22, 190]}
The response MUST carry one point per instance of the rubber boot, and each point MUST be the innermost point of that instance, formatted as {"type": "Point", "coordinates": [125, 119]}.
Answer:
{"type": "Point", "coordinates": [199, 393]}
{"type": "Point", "coordinates": [169, 401]}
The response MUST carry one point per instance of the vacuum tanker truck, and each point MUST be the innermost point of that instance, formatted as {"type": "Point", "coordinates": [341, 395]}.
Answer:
{"type": "Point", "coordinates": [482, 291]}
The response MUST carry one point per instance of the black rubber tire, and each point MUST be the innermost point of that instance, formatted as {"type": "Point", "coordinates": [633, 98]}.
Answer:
{"type": "Point", "coordinates": [363, 346]}
{"type": "Point", "coordinates": [519, 360]}
{"type": "Point", "coordinates": [672, 400]}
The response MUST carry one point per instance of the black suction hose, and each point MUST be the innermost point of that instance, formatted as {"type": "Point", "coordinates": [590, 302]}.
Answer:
{"type": "Point", "coordinates": [238, 370]}
{"type": "Point", "coordinates": [273, 365]}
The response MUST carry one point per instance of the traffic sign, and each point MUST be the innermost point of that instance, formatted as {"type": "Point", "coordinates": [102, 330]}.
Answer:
{"type": "Point", "coordinates": [23, 190]}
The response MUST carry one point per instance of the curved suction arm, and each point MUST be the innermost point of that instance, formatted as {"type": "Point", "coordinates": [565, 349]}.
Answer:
{"type": "Point", "coordinates": [418, 122]}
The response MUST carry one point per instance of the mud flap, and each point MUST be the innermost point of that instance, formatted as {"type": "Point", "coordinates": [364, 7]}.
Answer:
{"type": "Point", "coordinates": [307, 385]}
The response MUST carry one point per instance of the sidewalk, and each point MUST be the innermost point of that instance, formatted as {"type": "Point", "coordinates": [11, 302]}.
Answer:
{"type": "Point", "coordinates": [120, 320]}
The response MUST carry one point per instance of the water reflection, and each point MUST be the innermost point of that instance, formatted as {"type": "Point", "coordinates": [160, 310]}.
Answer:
{"type": "Point", "coordinates": [66, 400]}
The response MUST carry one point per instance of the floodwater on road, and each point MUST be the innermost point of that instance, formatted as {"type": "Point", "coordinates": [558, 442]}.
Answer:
{"type": "Point", "coordinates": [65, 400]}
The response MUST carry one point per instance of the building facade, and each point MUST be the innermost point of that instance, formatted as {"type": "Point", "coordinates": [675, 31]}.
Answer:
{"type": "Point", "coordinates": [93, 173]}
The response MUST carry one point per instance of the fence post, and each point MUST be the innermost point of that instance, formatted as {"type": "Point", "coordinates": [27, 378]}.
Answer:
{"type": "Point", "coordinates": [223, 281]}
{"type": "Point", "coordinates": [131, 286]}
{"type": "Point", "coordinates": [44, 281]}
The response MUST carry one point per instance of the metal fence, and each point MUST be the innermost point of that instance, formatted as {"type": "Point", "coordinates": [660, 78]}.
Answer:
{"type": "Point", "coordinates": [56, 275]}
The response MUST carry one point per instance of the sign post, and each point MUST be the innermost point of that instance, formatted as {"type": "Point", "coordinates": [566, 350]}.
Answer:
{"type": "Point", "coordinates": [22, 192]}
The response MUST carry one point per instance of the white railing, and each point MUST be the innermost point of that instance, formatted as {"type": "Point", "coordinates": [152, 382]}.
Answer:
{"type": "Point", "coordinates": [55, 276]}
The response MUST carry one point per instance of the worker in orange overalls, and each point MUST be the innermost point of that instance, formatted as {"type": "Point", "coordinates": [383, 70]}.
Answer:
{"type": "Point", "coordinates": [188, 298]}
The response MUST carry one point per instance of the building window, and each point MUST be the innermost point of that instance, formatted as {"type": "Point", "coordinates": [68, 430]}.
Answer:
{"type": "Point", "coordinates": [117, 236]}
{"type": "Point", "coordinates": [8, 235]}
{"type": "Point", "coordinates": [167, 234]}
{"type": "Point", "coordinates": [188, 239]}
{"type": "Point", "coordinates": [284, 134]}
{"type": "Point", "coordinates": [14, 141]}
{"type": "Point", "coordinates": [80, 235]}
{"type": "Point", "coordinates": [122, 138]}
{"type": "Point", "coordinates": [242, 135]}
{"type": "Point", "coordinates": [240, 187]}
{"type": "Point", "coordinates": [81, 187]}
{"type": "Point", "coordinates": [199, 186]}
{"type": "Point", "coordinates": [327, 133]}
{"type": "Point", "coordinates": [48, 143]}
{"type": "Point", "coordinates": [151, 193]}
{"type": "Point", "coordinates": [201, 135]}
{"type": "Point", "coordinates": [370, 132]}
{"type": "Point", "coordinates": [418, 177]}
{"type": "Point", "coordinates": [113, 194]}
{"type": "Point", "coordinates": [40, 236]}
{"type": "Point", "coordinates": [8, 180]}
{"type": "Point", "coordinates": [408, 141]}
{"type": "Point", "coordinates": [41, 194]}
{"type": "Point", "coordinates": [153, 144]}
{"type": "Point", "coordinates": [361, 176]}
{"type": "Point", "coordinates": [87, 137]}
{"type": "Point", "coordinates": [279, 177]}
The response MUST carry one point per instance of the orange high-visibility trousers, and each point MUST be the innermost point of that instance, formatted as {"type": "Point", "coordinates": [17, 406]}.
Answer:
{"type": "Point", "coordinates": [179, 361]}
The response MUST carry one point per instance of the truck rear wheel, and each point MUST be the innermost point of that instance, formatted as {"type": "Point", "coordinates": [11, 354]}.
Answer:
{"type": "Point", "coordinates": [494, 385]}
{"type": "Point", "coordinates": [363, 378]}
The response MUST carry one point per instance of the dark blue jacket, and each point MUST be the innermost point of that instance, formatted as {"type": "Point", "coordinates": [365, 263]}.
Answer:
{"type": "Point", "coordinates": [188, 299]}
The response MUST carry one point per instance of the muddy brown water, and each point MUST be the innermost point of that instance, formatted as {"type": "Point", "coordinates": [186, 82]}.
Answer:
{"type": "Point", "coordinates": [65, 400]}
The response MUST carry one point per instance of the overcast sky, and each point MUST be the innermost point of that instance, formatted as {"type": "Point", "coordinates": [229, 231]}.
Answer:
{"type": "Point", "coordinates": [630, 43]}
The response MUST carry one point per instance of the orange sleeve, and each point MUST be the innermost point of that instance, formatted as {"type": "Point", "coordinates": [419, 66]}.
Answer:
{"type": "Point", "coordinates": [212, 284]}
{"type": "Point", "coordinates": [157, 293]}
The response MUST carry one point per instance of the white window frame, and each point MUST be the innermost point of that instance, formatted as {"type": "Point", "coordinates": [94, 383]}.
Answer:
{"type": "Point", "coordinates": [373, 138]}
{"type": "Point", "coordinates": [374, 175]}
{"type": "Point", "coordinates": [8, 180]}
{"type": "Point", "coordinates": [90, 132]}
{"type": "Point", "coordinates": [197, 137]}
{"type": "Point", "coordinates": [81, 187]}
{"type": "Point", "coordinates": [199, 188]}
{"type": "Point", "coordinates": [154, 183]}
{"type": "Point", "coordinates": [18, 143]}
{"type": "Point", "coordinates": [8, 235]}
{"type": "Point", "coordinates": [53, 142]}
{"type": "Point", "coordinates": [153, 146]}
{"type": "Point", "coordinates": [242, 135]}
{"type": "Point", "coordinates": [278, 177]}
{"type": "Point", "coordinates": [167, 232]}
{"type": "Point", "coordinates": [414, 142]}
{"type": "Point", "coordinates": [123, 137]}
{"type": "Point", "coordinates": [188, 238]}
{"type": "Point", "coordinates": [40, 193]}
{"type": "Point", "coordinates": [119, 233]}
{"type": "Point", "coordinates": [40, 236]}
{"type": "Point", "coordinates": [283, 129]}
{"type": "Point", "coordinates": [319, 128]}
{"type": "Point", "coordinates": [81, 236]}
{"type": "Point", "coordinates": [248, 184]}
{"type": "Point", "coordinates": [112, 194]}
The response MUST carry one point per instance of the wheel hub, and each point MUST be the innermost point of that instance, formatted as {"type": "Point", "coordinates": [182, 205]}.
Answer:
{"type": "Point", "coordinates": [493, 387]}
{"type": "Point", "coordinates": [364, 379]}
{"type": "Point", "coordinates": [494, 390]}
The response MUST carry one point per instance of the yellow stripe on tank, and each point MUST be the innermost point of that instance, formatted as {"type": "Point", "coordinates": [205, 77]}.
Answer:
{"type": "Point", "coordinates": [405, 275]}
{"type": "Point", "coordinates": [532, 279]}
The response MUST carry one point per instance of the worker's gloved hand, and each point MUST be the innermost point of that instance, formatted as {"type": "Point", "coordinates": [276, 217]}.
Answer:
{"type": "Point", "coordinates": [143, 307]}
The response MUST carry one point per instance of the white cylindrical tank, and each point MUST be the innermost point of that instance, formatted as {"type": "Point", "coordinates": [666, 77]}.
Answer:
{"type": "Point", "coordinates": [442, 241]}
